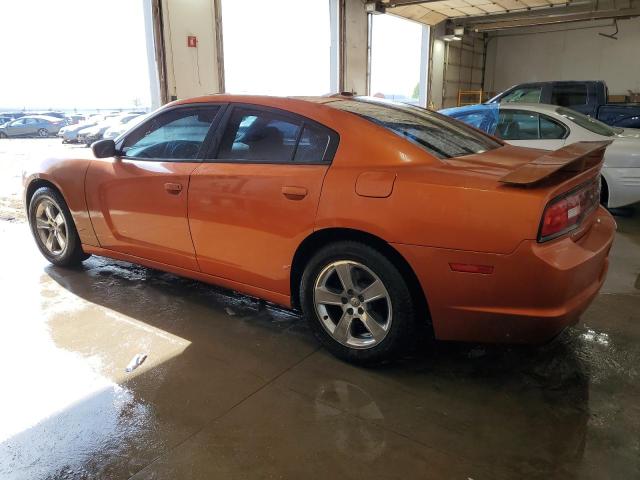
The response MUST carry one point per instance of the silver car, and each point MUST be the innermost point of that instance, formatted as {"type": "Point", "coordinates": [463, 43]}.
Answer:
{"type": "Point", "coordinates": [69, 134]}
{"type": "Point", "coordinates": [31, 126]}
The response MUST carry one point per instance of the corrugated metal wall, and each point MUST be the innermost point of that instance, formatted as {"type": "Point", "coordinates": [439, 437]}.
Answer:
{"type": "Point", "coordinates": [463, 66]}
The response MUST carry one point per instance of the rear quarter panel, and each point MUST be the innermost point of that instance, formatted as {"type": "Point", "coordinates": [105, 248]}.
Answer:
{"type": "Point", "coordinates": [432, 203]}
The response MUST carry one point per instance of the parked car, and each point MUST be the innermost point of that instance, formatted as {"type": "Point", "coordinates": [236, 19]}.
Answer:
{"type": "Point", "coordinates": [51, 113]}
{"type": "Point", "coordinates": [69, 134]}
{"type": "Point", "coordinates": [550, 127]}
{"type": "Point", "coordinates": [12, 115]}
{"type": "Point", "coordinates": [376, 219]}
{"type": "Point", "coordinates": [31, 126]}
{"type": "Point", "coordinates": [117, 130]}
{"type": "Point", "coordinates": [75, 118]}
{"type": "Point", "coordinates": [587, 97]}
{"type": "Point", "coordinates": [91, 134]}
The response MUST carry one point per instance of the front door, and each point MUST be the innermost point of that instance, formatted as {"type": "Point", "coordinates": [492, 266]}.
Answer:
{"type": "Point", "coordinates": [138, 201]}
{"type": "Point", "coordinates": [21, 127]}
{"type": "Point", "coordinates": [252, 205]}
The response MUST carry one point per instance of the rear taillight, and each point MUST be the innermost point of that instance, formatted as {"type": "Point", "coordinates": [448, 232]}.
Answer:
{"type": "Point", "coordinates": [566, 212]}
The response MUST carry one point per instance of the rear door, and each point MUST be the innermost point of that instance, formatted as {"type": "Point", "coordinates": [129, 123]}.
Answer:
{"type": "Point", "coordinates": [252, 205]}
{"type": "Point", "coordinates": [573, 95]}
{"type": "Point", "coordinates": [138, 200]}
{"type": "Point", "coordinates": [530, 129]}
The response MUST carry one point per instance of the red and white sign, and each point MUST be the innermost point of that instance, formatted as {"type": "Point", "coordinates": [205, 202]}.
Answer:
{"type": "Point", "coordinates": [192, 41]}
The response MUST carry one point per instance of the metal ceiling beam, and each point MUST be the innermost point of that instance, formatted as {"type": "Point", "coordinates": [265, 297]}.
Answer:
{"type": "Point", "coordinates": [577, 6]}
{"type": "Point", "coordinates": [404, 3]}
{"type": "Point", "coordinates": [555, 18]}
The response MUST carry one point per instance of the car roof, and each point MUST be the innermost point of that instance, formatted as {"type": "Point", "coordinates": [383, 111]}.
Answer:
{"type": "Point", "coordinates": [277, 101]}
{"type": "Point", "coordinates": [41, 117]}
{"type": "Point", "coordinates": [535, 107]}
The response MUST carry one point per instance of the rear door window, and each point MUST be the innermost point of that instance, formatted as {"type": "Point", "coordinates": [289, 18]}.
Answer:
{"type": "Point", "coordinates": [569, 94]}
{"type": "Point", "coordinates": [526, 125]}
{"type": "Point", "coordinates": [551, 130]}
{"type": "Point", "coordinates": [517, 125]}
{"type": "Point", "coordinates": [257, 135]}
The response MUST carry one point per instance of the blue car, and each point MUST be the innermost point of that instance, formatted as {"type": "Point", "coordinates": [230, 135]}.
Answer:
{"type": "Point", "coordinates": [484, 117]}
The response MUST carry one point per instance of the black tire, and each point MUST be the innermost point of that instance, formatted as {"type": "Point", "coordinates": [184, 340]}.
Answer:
{"type": "Point", "coordinates": [604, 192]}
{"type": "Point", "coordinates": [3, 135]}
{"type": "Point", "coordinates": [72, 254]}
{"type": "Point", "coordinates": [401, 334]}
{"type": "Point", "coordinates": [43, 133]}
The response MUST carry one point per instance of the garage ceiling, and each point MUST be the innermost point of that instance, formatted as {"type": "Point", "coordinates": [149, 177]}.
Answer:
{"type": "Point", "coordinates": [432, 12]}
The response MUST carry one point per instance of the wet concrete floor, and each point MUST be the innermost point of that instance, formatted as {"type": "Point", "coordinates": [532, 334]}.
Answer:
{"type": "Point", "coordinates": [230, 389]}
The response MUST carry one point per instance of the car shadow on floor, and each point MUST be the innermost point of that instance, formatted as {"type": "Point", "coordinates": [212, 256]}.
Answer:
{"type": "Point", "coordinates": [507, 410]}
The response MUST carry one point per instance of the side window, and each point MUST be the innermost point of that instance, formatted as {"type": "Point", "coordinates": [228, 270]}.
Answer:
{"type": "Point", "coordinates": [174, 135]}
{"type": "Point", "coordinates": [517, 125]}
{"type": "Point", "coordinates": [523, 95]}
{"type": "Point", "coordinates": [313, 144]}
{"type": "Point", "coordinates": [550, 129]}
{"type": "Point", "coordinates": [569, 94]}
{"type": "Point", "coordinates": [257, 135]}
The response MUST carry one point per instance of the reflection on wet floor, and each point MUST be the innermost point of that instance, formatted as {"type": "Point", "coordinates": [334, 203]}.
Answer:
{"type": "Point", "coordinates": [235, 388]}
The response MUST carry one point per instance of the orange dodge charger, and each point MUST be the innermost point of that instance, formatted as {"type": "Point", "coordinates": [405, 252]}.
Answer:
{"type": "Point", "coordinates": [373, 218]}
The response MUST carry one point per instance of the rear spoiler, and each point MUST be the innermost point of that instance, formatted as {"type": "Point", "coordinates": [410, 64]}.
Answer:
{"type": "Point", "coordinates": [576, 157]}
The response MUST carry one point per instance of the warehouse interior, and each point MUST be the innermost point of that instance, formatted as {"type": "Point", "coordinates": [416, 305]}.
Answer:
{"type": "Point", "coordinates": [230, 386]}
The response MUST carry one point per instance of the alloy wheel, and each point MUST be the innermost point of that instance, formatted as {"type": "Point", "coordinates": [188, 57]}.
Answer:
{"type": "Point", "coordinates": [353, 304]}
{"type": "Point", "coordinates": [51, 227]}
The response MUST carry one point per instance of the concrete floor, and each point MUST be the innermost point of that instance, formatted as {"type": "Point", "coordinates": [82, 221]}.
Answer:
{"type": "Point", "coordinates": [230, 390]}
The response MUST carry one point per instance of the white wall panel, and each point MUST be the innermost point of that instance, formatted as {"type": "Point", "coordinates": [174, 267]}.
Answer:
{"type": "Point", "coordinates": [570, 54]}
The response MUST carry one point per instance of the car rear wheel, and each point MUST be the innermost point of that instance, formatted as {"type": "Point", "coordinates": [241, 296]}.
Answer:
{"type": "Point", "coordinates": [358, 303]}
{"type": "Point", "coordinates": [3, 135]}
{"type": "Point", "coordinates": [43, 132]}
{"type": "Point", "coordinates": [53, 228]}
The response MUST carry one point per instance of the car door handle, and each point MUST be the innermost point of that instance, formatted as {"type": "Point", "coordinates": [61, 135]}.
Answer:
{"type": "Point", "coordinates": [173, 188]}
{"type": "Point", "coordinates": [294, 193]}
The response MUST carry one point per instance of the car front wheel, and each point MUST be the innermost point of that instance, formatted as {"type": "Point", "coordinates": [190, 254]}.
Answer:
{"type": "Point", "coordinates": [43, 132]}
{"type": "Point", "coordinates": [53, 228]}
{"type": "Point", "coordinates": [357, 303]}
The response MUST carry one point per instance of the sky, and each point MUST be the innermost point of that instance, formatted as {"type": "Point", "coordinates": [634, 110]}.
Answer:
{"type": "Point", "coordinates": [271, 51]}
{"type": "Point", "coordinates": [88, 54]}
{"type": "Point", "coordinates": [73, 54]}
{"type": "Point", "coordinates": [268, 51]}
{"type": "Point", "coordinates": [395, 55]}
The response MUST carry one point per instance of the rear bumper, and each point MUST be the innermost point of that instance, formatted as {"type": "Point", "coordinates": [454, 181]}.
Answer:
{"type": "Point", "coordinates": [532, 294]}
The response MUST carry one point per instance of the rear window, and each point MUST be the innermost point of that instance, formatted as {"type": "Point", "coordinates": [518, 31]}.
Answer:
{"type": "Point", "coordinates": [569, 94]}
{"type": "Point", "coordinates": [439, 135]}
{"type": "Point", "coordinates": [591, 124]}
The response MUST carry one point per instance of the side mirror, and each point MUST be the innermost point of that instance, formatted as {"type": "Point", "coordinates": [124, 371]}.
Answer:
{"type": "Point", "coordinates": [104, 148]}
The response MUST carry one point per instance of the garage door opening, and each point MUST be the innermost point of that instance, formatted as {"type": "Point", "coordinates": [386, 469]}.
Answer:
{"type": "Point", "coordinates": [83, 57]}
{"type": "Point", "coordinates": [399, 54]}
{"type": "Point", "coordinates": [278, 49]}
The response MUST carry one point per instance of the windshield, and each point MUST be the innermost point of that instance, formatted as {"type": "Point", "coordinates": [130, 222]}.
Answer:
{"type": "Point", "coordinates": [441, 136]}
{"type": "Point", "coordinates": [591, 124]}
